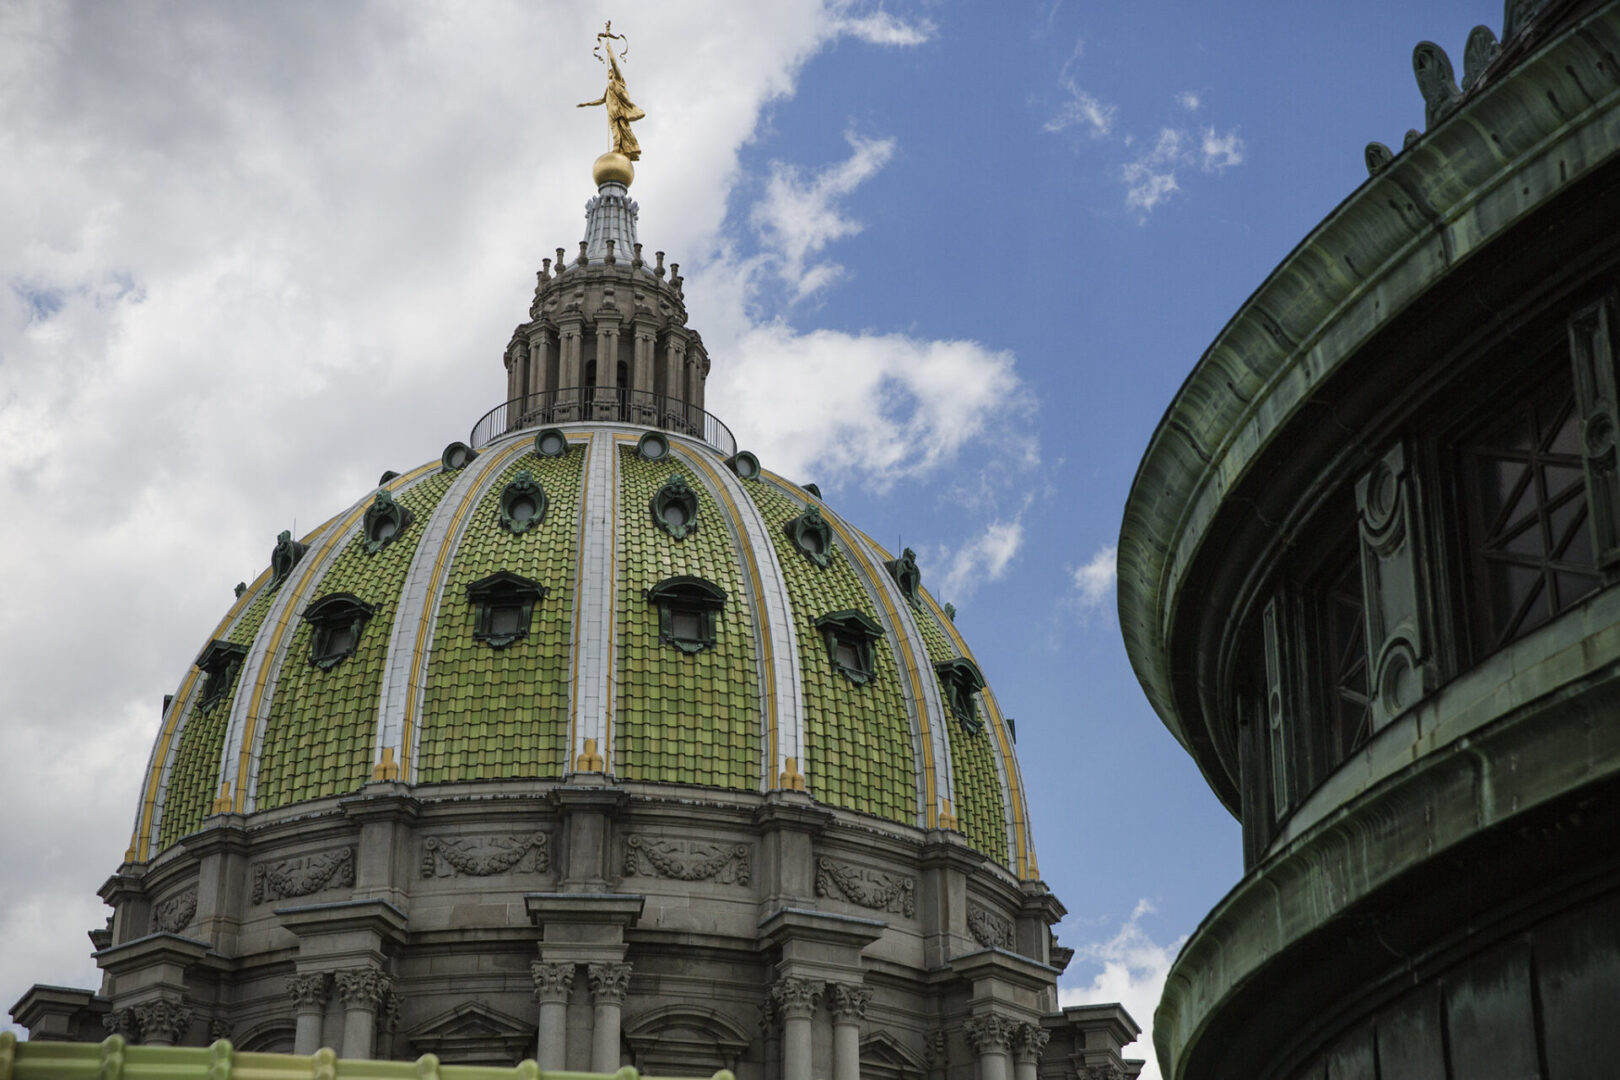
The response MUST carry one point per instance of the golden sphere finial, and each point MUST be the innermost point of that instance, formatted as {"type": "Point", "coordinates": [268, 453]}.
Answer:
{"type": "Point", "coordinates": [613, 168]}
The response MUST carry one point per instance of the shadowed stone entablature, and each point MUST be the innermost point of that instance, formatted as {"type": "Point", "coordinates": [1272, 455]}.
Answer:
{"type": "Point", "coordinates": [583, 928]}
{"type": "Point", "coordinates": [819, 945]}
{"type": "Point", "coordinates": [61, 1014]}
{"type": "Point", "coordinates": [347, 932]}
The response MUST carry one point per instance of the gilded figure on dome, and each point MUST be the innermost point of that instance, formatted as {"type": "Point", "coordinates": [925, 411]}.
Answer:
{"type": "Point", "coordinates": [621, 111]}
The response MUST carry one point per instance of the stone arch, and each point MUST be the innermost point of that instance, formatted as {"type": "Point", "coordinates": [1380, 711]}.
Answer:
{"type": "Point", "coordinates": [680, 1039]}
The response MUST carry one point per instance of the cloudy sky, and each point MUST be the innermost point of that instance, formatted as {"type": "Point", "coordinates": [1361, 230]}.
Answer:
{"type": "Point", "coordinates": [951, 261]}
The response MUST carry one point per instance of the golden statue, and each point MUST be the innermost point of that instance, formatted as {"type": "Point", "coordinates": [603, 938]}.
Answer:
{"type": "Point", "coordinates": [621, 111]}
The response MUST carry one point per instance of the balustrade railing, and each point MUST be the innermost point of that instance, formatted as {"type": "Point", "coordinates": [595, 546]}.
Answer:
{"type": "Point", "coordinates": [607, 404]}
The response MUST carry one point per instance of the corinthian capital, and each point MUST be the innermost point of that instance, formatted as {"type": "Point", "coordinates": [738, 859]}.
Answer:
{"type": "Point", "coordinates": [309, 990]}
{"type": "Point", "coordinates": [609, 983]}
{"type": "Point", "coordinates": [1029, 1040]}
{"type": "Point", "coordinates": [796, 998]}
{"type": "Point", "coordinates": [363, 987]}
{"type": "Point", "coordinates": [163, 1019]}
{"type": "Point", "coordinates": [989, 1032]}
{"type": "Point", "coordinates": [552, 982]}
{"type": "Point", "coordinates": [848, 1003]}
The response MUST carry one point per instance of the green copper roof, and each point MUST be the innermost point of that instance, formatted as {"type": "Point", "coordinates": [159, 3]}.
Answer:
{"type": "Point", "coordinates": [318, 738]}
{"type": "Point", "coordinates": [492, 713]}
{"type": "Point", "coordinates": [679, 717]}
{"type": "Point", "coordinates": [858, 744]}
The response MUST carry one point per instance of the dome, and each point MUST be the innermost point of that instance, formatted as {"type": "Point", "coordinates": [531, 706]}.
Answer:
{"type": "Point", "coordinates": [594, 597]}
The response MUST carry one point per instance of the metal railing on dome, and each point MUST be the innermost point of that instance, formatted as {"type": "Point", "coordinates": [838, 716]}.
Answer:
{"type": "Point", "coordinates": [114, 1059]}
{"type": "Point", "coordinates": [607, 404]}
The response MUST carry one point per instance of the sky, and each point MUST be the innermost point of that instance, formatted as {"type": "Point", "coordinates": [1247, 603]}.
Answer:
{"type": "Point", "coordinates": [951, 262]}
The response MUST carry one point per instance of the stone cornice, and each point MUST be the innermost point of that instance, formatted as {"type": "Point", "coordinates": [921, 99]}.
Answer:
{"type": "Point", "coordinates": [1511, 148]}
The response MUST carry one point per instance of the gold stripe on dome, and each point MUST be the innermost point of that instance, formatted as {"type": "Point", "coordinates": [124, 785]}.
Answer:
{"type": "Point", "coordinates": [306, 582]}
{"type": "Point", "coordinates": [424, 626]}
{"type": "Point", "coordinates": [767, 658]}
{"type": "Point", "coordinates": [904, 654]}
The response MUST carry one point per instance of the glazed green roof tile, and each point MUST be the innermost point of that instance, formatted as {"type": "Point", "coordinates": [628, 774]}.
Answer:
{"type": "Point", "coordinates": [491, 713]}
{"type": "Point", "coordinates": [680, 717]}
{"type": "Point", "coordinates": [858, 738]}
{"type": "Point", "coordinates": [194, 781]}
{"type": "Point", "coordinates": [980, 803]}
{"type": "Point", "coordinates": [322, 724]}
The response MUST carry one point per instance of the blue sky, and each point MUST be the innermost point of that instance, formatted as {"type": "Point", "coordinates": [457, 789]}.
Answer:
{"type": "Point", "coordinates": [249, 258]}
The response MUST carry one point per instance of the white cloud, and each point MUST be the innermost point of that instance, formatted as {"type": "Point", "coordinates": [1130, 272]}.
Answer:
{"type": "Point", "coordinates": [1132, 971]}
{"type": "Point", "coordinates": [1095, 580]}
{"type": "Point", "coordinates": [1188, 100]}
{"type": "Point", "coordinates": [1082, 109]}
{"type": "Point", "coordinates": [252, 256]}
{"type": "Point", "coordinates": [799, 215]}
{"type": "Point", "coordinates": [883, 28]}
{"type": "Point", "coordinates": [983, 558]}
{"type": "Point", "coordinates": [1220, 151]}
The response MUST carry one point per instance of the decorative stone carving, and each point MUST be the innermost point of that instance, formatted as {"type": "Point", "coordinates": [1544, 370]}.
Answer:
{"type": "Point", "coordinates": [609, 983]}
{"type": "Point", "coordinates": [1517, 14]}
{"type": "Point", "coordinates": [1108, 1071]}
{"type": "Point", "coordinates": [175, 914]}
{"type": "Point", "coordinates": [219, 1028]}
{"type": "Point", "coordinates": [309, 990]}
{"type": "Point", "coordinates": [848, 1003]}
{"type": "Point", "coordinates": [384, 521]}
{"type": "Point", "coordinates": [1436, 82]}
{"type": "Point", "coordinates": [1481, 49]}
{"type": "Point", "coordinates": [523, 503]}
{"type": "Point", "coordinates": [124, 1023]}
{"type": "Point", "coordinates": [934, 1049]}
{"type": "Point", "coordinates": [1597, 399]}
{"type": "Point", "coordinates": [811, 534]}
{"type": "Point", "coordinates": [687, 860]}
{"type": "Point", "coordinates": [284, 556]}
{"type": "Point", "coordinates": [483, 856]}
{"type": "Point", "coordinates": [989, 1032]}
{"type": "Point", "coordinates": [1029, 1040]}
{"type": "Point", "coordinates": [907, 575]}
{"type": "Point", "coordinates": [163, 1019]}
{"type": "Point", "coordinates": [868, 888]}
{"type": "Point", "coordinates": [302, 875]}
{"type": "Point", "coordinates": [796, 998]}
{"type": "Point", "coordinates": [989, 929]}
{"type": "Point", "coordinates": [363, 987]}
{"type": "Point", "coordinates": [1395, 584]}
{"type": "Point", "coordinates": [675, 507]}
{"type": "Point", "coordinates": [1378, 158]}
{"type": "Point", "coordinates": [552, 982]}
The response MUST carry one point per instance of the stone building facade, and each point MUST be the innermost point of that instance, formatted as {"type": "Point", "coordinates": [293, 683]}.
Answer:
{"type": "Point", "coordinates": [1405, 686]}
{"type": "Point", "coordinates": [596, 742]}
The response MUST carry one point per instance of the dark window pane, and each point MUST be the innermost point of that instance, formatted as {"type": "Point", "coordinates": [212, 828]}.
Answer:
{"type": "Point", "coordinates": [686, 625]}
{"type": "Point", "coordinates": [505, 620]}
{"type": "Point", "coordinates": [1572, 587]}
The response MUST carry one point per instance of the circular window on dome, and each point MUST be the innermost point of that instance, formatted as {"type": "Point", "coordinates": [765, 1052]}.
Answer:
{"type": "Point", "coordinates": [551, 443]}
{"type": "Point", "coordinates": [523, 503]}
{"type": "Point", "coordinates": [458, 455]}
{"type": "Point", "coordinates": [812, 535]}
{"type": "Point", "coordinates": [653, 447]}
{"type": "Point", "coordinates": [385, 519]}
{"type": "Point", "coordinates": [745, 465]}
{"type": "Point", "coordinates": [675, 507]}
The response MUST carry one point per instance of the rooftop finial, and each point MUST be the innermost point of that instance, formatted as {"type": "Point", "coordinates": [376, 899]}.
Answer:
{"type": "Point", "coordinates": [614, 166]}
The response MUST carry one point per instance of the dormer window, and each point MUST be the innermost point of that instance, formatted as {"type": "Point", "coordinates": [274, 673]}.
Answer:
{"type": "Point", "coordinates": [523, 503]}
{"type": "Point", "coordinates": [675, 506]}
{"type": "Point", "coordinates": [458, 455]}
{"type": "Point", "coordinates": [338, 620]}
{"type": "Point", "coordinates": [503, 607]}
{"type": "Point", "coordinates": [960, 679]}
{"type": "Point", "coordinates": [849, 636]}
{"type": "Point", "coordinates": [219, 663]}
{"type": "Point", "coordinates": [385, 519]}
{"type": "Point", "coordinates": [906, 575]}
{"type": "Point", "coordinates": [812, 535]}
{"type": "Point", "coordinates": [686, 608]}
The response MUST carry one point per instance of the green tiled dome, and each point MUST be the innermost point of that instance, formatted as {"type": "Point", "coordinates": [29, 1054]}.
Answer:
{"type": "Point", "coordinates": [489, 630]}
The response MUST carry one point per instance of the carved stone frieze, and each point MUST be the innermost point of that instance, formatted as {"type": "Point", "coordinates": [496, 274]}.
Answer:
{"type": "Point", "coordinates": [796, 998]}
{"type": "Point", "coordinates": [989, 929]}
{"type": "Point", "coordinates": [552, 982]}
{"type": "Point", "coordinates": [989, 1032]}
{"type": "Point", "coordinates": [687, 860]}
{"type": "Point", "coordinates": [609, 983]}
{"type": "Point", "coordinates": [302, 875]}
{"type": "Point", "coordinates": [175, 914]}
{"type": "Point", "coordinates": [123, 1022]}
{"type": "Point", "coordinates": [848, 1003]}
{"type": "Point", "coordinates": [309, 990]}
{"type": "Point", "coordinates": [868, 888]}
{"type": "Point", "coordinates": [363, 987]}
{"type": "Point", "coordinates": [484, 856]}
{"type": "Point", "coordinates": [934, 1049]}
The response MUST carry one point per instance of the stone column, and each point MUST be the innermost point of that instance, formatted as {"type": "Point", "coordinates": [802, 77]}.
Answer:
{"type": "Point", "coordinates": [991, 1037]}
{"type": "Point", "coordinates": [796, 1001]}
{"type": "Point", "coordinates": [606, 394]}
{"type": "Point", "coordinates": [609, 983]}
{"type": "Point", "coordinates": [570, 370]}
{"type": "Point", "coordinates": [644, 409]}
{"type": "Point", "coordinates": [163, 1022]}
{"type": "Point", "coordinates": [1028, 1042]}
{"type": "Point", "coordinates": [674, 377]}
{"type": "Point", "coordinates": [848, 1005]}
{"type": "Point", "coordinates": [309, 992]}
{"type": "Point", "coordinates": [552, 985]}
{"type": "Point", "coordinates": [362, 990]}
{"type": "Point", "coordinates": [539, 370]}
